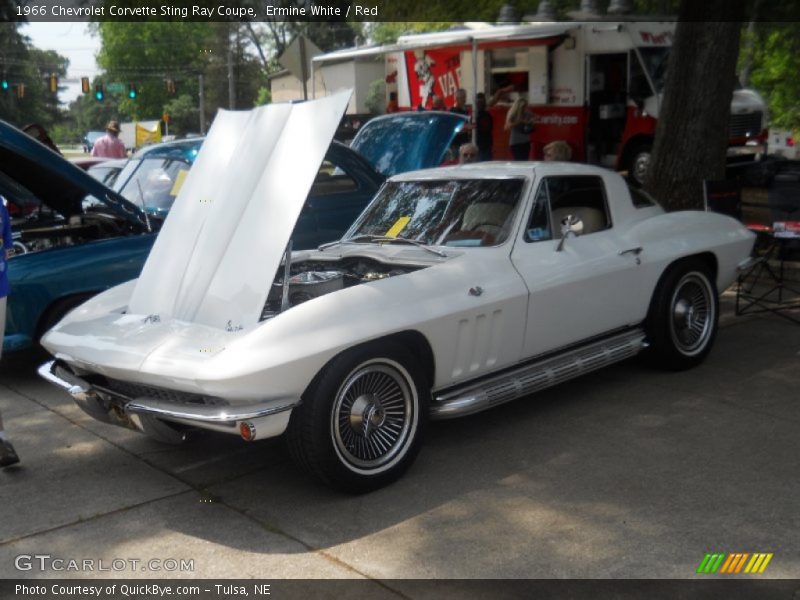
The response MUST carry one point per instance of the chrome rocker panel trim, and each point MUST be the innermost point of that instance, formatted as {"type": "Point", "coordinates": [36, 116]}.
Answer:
{"type": "Point", "coordinates": [538, 375]}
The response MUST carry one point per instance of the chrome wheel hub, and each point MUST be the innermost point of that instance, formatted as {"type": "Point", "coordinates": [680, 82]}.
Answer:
{"type": "Point", "coordinates": [367, 414]}
{"type": "Point", "coordinates": [692, 315]}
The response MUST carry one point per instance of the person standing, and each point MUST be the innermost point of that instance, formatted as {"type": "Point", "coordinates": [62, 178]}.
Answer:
{"type": "Point", "coordinates": [8, 455]}
{"type": "Point", "coordinates": [460, 108]}
{"type": "Point", "coordinates": [484, 124]}
{"type": "Point", "coordinates": [110, 146]}
{"type": "Point", "coordinates": [519, 124]}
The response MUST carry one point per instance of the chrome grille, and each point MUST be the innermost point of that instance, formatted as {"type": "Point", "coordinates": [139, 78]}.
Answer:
{"type": "Point", "coordinates": [137, 390]}
{"type": "Point", "coordinates": [747, 124]}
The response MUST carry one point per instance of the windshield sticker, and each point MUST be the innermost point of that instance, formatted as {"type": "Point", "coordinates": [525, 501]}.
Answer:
{"type": "Point", "coordinates": [398, 226]}
{"type": "Point", "coordinates": [176, 187]}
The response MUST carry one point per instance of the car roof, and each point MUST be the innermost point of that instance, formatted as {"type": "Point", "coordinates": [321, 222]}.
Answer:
{"type": "Point", "coordinates": [186, 149]}
{"type": "Point", "coordinates": [494, 169]}
{"type": "Point", "coordinates": [114, 163]}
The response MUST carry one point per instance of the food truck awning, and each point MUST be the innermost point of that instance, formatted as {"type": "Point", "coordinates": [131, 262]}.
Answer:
{"type": "Point", "coordinates": [489, 37]}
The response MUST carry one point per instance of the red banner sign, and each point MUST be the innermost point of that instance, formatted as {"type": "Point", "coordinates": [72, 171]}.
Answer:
{"type": "Point", "coordinates": [433, 72]}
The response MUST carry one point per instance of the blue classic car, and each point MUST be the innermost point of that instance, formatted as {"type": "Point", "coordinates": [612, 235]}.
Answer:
{"type": "Point", "coordinates": [101, 237]}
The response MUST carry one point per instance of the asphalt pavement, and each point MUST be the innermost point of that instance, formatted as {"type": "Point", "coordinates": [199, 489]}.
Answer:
{"type": "Point", "coordinates": [628, 472]}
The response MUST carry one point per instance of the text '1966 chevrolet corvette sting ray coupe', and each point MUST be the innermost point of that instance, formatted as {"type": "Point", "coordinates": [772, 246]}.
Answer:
{"type": "Point", "coordinates": [457, 289]}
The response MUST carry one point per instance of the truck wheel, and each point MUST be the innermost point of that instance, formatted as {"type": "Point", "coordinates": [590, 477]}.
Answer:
{"type": "Point", "coordinates": [360, 423]}
{"type": "Point", "coordinates": [638, 162]}
{"type": "Point", "coordinates": [682, 323]}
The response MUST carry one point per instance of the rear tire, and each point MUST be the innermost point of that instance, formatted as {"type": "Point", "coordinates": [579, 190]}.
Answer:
{"type": "Point", "coordinates": [683, 317]}
{"type": "Point", "coordinates": [360, 424]}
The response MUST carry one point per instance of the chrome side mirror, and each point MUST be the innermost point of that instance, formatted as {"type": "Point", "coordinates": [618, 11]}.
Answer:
{"type": "Point", "coordinates": [569, 224]}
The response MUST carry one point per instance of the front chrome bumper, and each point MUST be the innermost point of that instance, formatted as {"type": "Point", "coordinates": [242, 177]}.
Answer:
{"type": "Point", "coordinates": [151, 415]}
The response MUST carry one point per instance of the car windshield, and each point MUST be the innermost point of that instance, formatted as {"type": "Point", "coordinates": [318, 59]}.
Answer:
{"type": "Point", "coordinates": [656, 61]}
{"type": "Point", "coordinates": [152, 183]}
{"type": "Point", "coordinates": [461, 212]}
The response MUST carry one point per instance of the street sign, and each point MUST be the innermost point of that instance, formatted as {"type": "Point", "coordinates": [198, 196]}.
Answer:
{"type": "Point", "coordinates": [115, 88]}
{"type": "Point", "coordinates": [297, 58]}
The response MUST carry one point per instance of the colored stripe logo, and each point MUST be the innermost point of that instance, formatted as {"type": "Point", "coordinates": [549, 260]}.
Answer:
{"type": "Point", "coordinates": [734, 562]}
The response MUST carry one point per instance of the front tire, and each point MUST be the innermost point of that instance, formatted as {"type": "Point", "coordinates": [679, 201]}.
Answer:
{"type": "Point", "coordinates": [360, 423]}
{"type": "Point", "coordinates": [683, 318]}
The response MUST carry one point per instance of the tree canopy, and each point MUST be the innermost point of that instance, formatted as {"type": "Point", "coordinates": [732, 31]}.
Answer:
{"type": "Point", "coordinates": [27, 71]}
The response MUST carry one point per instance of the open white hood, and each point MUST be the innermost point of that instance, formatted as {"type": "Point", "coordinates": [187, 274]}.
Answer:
{"type": "Point", "coordinates": [222, 243]}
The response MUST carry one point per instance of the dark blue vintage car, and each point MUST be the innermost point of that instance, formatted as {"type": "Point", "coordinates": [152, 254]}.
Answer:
{"type": "Point", "coordinates": [101, 237]}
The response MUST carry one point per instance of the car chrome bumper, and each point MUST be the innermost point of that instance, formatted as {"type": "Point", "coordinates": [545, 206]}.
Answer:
{"type": "Point", "coordinates": [148, 414]}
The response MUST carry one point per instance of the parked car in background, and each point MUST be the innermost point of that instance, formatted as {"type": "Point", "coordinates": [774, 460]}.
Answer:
{"type": "Point", "coordinates": [457, 289]}
{"type": "Point", "coordinates": [346, 181]}
{"type": "Point", "coordinates": [99, 237]}
{"type": "Point", "coordinates": [72, 252]}
{"type": "Point", "coordinates": [90, 138]}
{"type": "Point", "coordinates": [107, 171]}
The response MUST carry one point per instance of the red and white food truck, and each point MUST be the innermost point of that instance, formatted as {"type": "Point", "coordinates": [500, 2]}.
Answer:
{"type": "Point", "coordinates": [596, 85]}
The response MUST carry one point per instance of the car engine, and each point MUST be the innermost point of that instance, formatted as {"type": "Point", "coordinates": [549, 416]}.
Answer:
{"type": "Point", "coordinates": [311, 279]}
{"type": "Point", "coordinates": [38, 233]}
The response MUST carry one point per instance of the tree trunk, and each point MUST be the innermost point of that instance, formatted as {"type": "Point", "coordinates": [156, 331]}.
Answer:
{"type": "Point", "coordinates": [692, 133]}
{"type": "Point", "coordinates": [749, 47]}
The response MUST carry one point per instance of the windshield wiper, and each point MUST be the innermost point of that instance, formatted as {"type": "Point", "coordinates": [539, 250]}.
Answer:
{"type": "Point", "coordinates": [371, 239]}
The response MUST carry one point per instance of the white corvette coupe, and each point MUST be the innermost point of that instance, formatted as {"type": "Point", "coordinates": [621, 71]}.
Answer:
{"type": "Point", "coordinates": [457, 289]}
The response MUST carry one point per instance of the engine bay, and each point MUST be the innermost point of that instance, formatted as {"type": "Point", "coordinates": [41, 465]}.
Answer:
{"type": "Point", "coordinates": [311, 279]}
{"type": "Point", "coordinates": [42, 230]}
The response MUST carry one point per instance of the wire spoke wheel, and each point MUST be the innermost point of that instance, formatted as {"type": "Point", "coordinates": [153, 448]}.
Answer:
{"type": "Point", "coordinates": [373, 415]}
{"type": "Point", "coordinates": [692, 314]}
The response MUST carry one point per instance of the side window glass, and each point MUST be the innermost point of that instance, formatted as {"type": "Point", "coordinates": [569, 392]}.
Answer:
{"type": "Point", "coordinates": [581, 197]}
{"type": "Point", "coordinates": [538, 228]}
{"type": "Point", "coordinates": [332, 179]}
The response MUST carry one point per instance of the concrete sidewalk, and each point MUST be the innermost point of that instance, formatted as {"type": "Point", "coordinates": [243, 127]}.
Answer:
{"type": "Point", "coordinates": [628, 472]}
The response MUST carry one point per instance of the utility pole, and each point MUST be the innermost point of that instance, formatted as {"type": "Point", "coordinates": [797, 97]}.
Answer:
{"type": "Point", "coordinates": [231, 80]}
{"type": "Point", "coordinates": [303, 68]}
{"type": "Point", "coordinates": [202, 98]}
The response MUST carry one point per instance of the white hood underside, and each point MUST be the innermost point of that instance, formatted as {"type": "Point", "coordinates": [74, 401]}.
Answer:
{"type": "Point", "coordinates": [222, 243]}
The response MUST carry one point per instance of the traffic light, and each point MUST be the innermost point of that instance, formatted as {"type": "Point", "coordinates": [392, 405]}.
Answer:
{"type": "Point", "coordinates": [132, 91]}
{"type": "Point", "coordinates": [4, 84]}
{"type": "Point", "coordinates": [21, 90]}
{"type": "Point", "coordinates": [170, 86]}
{"type": "Point", "coordinates": [99, 94]}
{"type": "Point", "coordinates": [53, 84]}
{"type": "Point", "coordinates": [85, 85]}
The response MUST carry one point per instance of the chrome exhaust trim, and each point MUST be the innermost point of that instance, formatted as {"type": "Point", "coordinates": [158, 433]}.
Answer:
{"type": "Point", "coordinates": [545, 373]}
